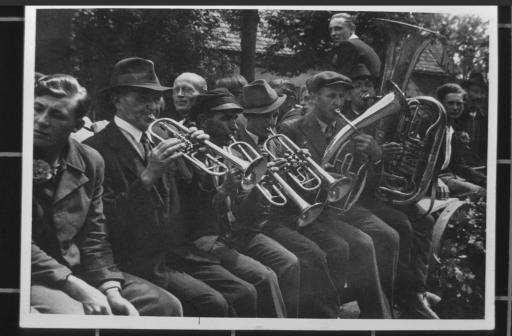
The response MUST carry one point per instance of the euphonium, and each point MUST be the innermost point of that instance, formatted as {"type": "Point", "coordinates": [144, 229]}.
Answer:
{"type": "Point", "coordinates": [274, 187]}
{"type": "Point", "coordinates": [420, 130]}
{"type": "Point", "coordinates": [306, 173]}
{"type": "Point", "coordinates": [164, 128]}
{"type": "Point", "coordinates": [339, 160]}
{"type": "Point", "coordinates": [420, 126]}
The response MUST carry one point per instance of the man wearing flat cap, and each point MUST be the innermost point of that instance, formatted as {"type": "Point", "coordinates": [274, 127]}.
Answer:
{"type": "Point", "coordinates": [365, 233]}
{"type": "Point", "coordinates": [242, 250]}
{"type": "Point", "coordinates": [143, 204]}
{"type": "Point", "coordinates": [349, 49]}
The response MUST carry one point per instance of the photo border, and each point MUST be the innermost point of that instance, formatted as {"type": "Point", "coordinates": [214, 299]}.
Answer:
{"type": "Point", "coordinates": [31, 320]}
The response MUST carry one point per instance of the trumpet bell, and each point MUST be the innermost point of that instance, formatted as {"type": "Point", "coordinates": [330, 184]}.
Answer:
{"type": "Point", "coordinates": [254, 173]}
{"type": "Point", "coordinates": [309, 214]}
{"type": "Point", "coordinates": [339, 189]}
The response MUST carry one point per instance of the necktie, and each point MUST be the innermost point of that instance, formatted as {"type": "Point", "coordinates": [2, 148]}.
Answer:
{"type": "Point", "coordinates": [146, 145]}
{"type": "Point", "coordinates": [329, 132]}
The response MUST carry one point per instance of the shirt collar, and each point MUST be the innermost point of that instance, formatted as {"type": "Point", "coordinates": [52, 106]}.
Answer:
{"type": "Point", "coordinates": [129, 128]}
{"type": "Point", "coordinates": [254, 137]}
{"type": "Point", "coordinates": [353, 36]}
{"type": "Point", "coordinates": [323, 125]}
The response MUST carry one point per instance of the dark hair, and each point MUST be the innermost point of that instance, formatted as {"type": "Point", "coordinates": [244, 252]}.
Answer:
{"type": "Point", "coordinates": [283, 86]}
{"type": "Point", "coordinates": [64, 86]}
{"type": "Point", "coordinates": [234, 82]}
{"type": "Point", "coordinates": [445, 89]}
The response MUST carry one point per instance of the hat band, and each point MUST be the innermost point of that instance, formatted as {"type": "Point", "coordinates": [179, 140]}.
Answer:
{"type": "Point", "coordinates": [137, 79]}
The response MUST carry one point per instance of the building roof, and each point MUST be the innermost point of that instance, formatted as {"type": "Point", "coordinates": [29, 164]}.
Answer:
{"type": "Point", "coordinates": [230, 41]}
{"type": "Point", "coordinates": [431, 60]}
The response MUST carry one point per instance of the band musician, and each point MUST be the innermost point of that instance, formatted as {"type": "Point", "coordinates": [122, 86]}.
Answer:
{"type": "Point", "coordinates": [143, 201]}
{"type": "Point", "coordinates": [358, 226]}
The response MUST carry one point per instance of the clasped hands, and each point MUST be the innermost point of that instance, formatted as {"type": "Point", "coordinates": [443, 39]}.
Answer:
{"type": "Point", "coordinates": [95, 302]}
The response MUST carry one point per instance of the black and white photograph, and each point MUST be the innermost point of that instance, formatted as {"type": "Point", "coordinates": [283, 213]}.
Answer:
{"type": "Point", "coordinates": [256, 167]}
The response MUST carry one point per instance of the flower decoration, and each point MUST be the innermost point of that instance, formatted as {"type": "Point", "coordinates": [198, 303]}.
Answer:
{"type": "Point", "coordinates": [41, 171]}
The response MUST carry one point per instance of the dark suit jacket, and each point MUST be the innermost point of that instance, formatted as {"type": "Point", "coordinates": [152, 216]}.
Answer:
{"type": "Point", "coordinates": [148, 227]}
{"type": "Point", "coordinates": [306, 133]}
{"type": "Point", "coordinates": [82, 245]}
{"type": "Point", "coordinates": [461, 163]}
{"type": "Point", "coordinates": [352, 52]}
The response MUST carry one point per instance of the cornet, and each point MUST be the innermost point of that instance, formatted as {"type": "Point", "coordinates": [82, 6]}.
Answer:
{"type": "Point", "coordinates": [274, 188]}
{"type": "Point", "coordinates": [306, 173]}
{"type": "Point", "coordinates": [164, 128]}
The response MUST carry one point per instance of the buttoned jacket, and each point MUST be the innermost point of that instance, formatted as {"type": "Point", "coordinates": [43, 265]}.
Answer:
{"type": "Point", "coordinates": [81, 242]}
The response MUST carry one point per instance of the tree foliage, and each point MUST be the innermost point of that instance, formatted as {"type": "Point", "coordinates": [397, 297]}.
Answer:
{"type": "Point", "coordinates": [458, 275]}
{"type": "Point", "coordinates": [307, 34]}
{"type": "Point", "coordinates": [177, 41]}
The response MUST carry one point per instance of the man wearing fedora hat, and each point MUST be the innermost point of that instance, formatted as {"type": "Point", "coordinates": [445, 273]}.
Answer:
{"type": "Point", "coordinates": [362, 94]}
{"type": "Point", "coordinates": [366, 235]}
{"type": "Point", "coordinates": [143, 206]}
{"type": "Point", "coordinates": [243, 250]}
{"type": "Point", "coordinates": [317, 297]}
{"type": "Point", "coordinates": [73, 269]}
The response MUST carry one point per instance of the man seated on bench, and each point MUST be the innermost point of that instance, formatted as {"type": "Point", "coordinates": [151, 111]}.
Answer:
{"type": "Point", "coordinates": [457, 177]}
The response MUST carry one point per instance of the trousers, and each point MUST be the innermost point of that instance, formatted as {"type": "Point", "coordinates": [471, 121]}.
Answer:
{"type": "Point", "coordinates": [148, 299]}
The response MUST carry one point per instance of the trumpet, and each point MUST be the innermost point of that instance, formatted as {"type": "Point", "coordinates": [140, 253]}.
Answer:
{"type": "Point", "coordinates": [308, 174]}
{"type": "Point", "coordinates": [164, 128]}
{"type": "Point", "coordinates": [274, 188]}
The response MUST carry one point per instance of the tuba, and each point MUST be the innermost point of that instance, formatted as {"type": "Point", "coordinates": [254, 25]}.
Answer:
{"type": "Point", "coordinates": [207, 161]}
{"type": "Point", "coordinates": [420, 125]}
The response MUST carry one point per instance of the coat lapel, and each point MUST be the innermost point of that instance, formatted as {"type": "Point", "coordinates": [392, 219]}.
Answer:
{"type": "Point", "coordinates": [73, 176]}
{"type": "Point", "coordinates": [125, 152]}
{"type": "Point", "coordinates": [313, 133]}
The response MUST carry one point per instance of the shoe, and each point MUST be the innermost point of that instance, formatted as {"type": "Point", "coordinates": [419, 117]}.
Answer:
{"type": "Point", "coordinates": [419, 307]}
{"type": "Point", "coordinates": [432, 298]}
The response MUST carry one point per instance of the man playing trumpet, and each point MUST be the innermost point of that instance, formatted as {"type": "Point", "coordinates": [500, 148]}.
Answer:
{"type": "Point", "coordinates": [244, 251]}
{"type": "Point", "coordinates": [145, 212]}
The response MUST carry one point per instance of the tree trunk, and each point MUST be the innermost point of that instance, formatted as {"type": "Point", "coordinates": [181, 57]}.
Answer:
{"type": "Point", "coordinates": [249, 26]}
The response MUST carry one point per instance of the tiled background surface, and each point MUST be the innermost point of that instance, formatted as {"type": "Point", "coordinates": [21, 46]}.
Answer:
{"type": "Point", "coordinates": [11, 65]}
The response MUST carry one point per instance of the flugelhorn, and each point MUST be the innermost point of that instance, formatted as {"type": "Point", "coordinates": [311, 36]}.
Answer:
{"type": "Point", "coordinates": [164, 128]}
{"type": "Point", "coordinates": [308, 174]}
{"type": "Point", "coordinates": [274, 187]}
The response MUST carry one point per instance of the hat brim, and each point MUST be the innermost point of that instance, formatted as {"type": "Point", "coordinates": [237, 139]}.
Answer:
{"type": "Point", "coordinates": [142, 86]}
{"type": "Point", "coordinates": [266, 109]}
{"type": "Point", "coordinates": [228, 106]}
{"type": "Point", "coordinates": [343, 83]}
